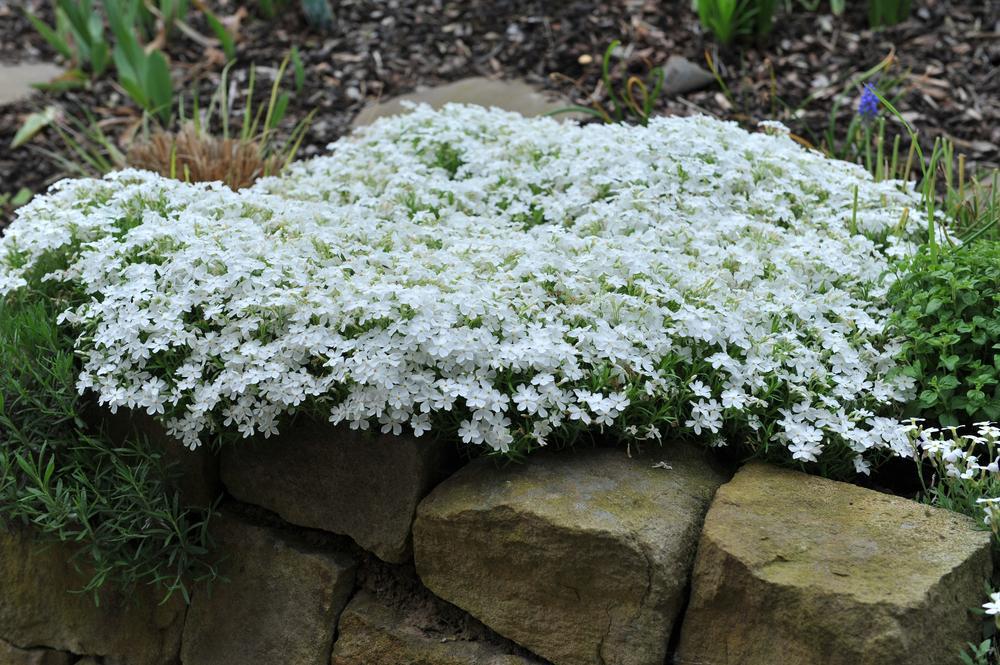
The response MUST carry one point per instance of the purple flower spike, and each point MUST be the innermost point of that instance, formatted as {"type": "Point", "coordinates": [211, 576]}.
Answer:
{"type": "Point", "coordinates": [868, 106]}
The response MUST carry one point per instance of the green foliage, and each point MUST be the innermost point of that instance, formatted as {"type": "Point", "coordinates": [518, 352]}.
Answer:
{"type": "Point", "coordinates": [729, 19]}
{"type": "Point", "coordinates": [947, 309]}
{"type": "Point", "coordinates": [632, 102]}
{"type": "Point", "coordinates": [78, 35]}
{"type": "Point", "coordinates": [15, 199]}
{"type": "Point", "coordinates": [171, 12]}
{"type": "Point", "coordinates": [887, 12]}
{"type": "Point", "coordinates": [864, 141]}
{"type": "Point", "coordinates": [298, 69]}
{"type": "Point", "coordinates": [972, 220]}
{"type": "Point", "coordinates": [70, 481]}
{"type": "Point", "coordinates": [270, 9]}
{"type": "Point", "coordinates": [836, 6]}
{"type": "Point", "coordinates": [88, 151]}
{"type": "Point", "coordinates": [880, 12]}
{"type": "Point", "coordinates": [979, 654]}
{"type": "Point", "coordinates": [973, 204]}
{"type": "Point", "coordinates": [144, 76]}
{"type": "Point", "coordinates": [318, 14]}
{"type": "Point", "coordinates": [222, 34]}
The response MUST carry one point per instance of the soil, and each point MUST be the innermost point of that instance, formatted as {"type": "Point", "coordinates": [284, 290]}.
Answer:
{"type": "Point", "coordinates": [946, 57]}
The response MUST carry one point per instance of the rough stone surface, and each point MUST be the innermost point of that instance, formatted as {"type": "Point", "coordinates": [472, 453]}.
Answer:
{"type": "Point", "coordinates": [37, 608]}
{"type": "Point", "coordinates": [509, 95]}
{"type": "Point", "coordinates": [280, 603]}
{"type": "Point", "coordinates": [582, 556]}
{"type": "Point", "coordinates": [12, 655]}
{"type": "Point", "coordinates": [343, 481]}
{"type": "Point", "coordinates": [798, 570]}
{"type": "Point", "coordinates": [372, 631]}
{"type": "Point", "coordinates": [16, 79]}
{"type": "Point", "coordinates": [680, 75]}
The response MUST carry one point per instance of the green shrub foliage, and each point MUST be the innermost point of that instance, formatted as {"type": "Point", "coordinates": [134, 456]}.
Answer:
{"type": "Point", "coordinates": [948, 310]}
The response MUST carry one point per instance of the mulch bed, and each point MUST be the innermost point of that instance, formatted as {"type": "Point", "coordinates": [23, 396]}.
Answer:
{"type": "Point", "coordinates": [948, 54]}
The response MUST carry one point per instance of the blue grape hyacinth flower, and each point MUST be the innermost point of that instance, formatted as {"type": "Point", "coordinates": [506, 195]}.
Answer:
{"type": "Point", "coordinates": [868, 106]}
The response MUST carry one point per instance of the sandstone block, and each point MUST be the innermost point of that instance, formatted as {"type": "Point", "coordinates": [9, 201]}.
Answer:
{"type": "Point", "coordinates": [278, 605]}
{"type": "Point", "coordinates": [797, 569]}
{"type": "Point", "coordinates": [37, 608]}
{"type": "Point", "coordinates": [338, 480]}
{"type": "Point", "coordinates": [12, 655]}
{"type": "Point", "coordinates": [581, 556]}
{"type": "Point", "coordinates": [371, 631]}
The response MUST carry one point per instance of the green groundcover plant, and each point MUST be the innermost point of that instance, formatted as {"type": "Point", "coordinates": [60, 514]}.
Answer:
{"type": "Point", "coordinates": [947, 309]}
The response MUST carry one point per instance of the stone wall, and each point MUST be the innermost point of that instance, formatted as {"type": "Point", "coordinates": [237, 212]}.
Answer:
{"type": "Point", "coordinates": [342, 549]}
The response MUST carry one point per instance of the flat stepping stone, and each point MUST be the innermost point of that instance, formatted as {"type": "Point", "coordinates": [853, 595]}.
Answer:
{"type": "Point", "coordinates": [16, 80]}
{"type": "Point", "coordinates": [509, 95]}
{"type": "Point", "coordinates": [799, 570]}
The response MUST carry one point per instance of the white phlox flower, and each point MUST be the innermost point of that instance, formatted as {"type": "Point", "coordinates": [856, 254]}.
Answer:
{"type": "Point", "coordinates": [511, 279]}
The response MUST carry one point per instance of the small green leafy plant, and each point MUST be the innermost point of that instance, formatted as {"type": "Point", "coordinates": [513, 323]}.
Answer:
{"type": "Point", "coordinates": [947, 311]}
{"type": "Point", "coordinates": [729, 19]}
{"type": "Point", "coordinates": [887, 12]}
{"type": "Point", "coordinates": [145, 76]}
{"type": "Point", "coordinates": [318, 14]}
{"type": "Point", "coordinates": [270, 9]}
{"type": "Point", "coordinates": [138, 29]}
{"type": "Point", "coordinates": [168, 12]}
{"type": "Point", "coordinates": [193, 154]}
{"type": "Point", "coordinates": [979, 654]}
{"type": "Point", "coordinates": [15, 199]}
{"type": "Point", "coordinates": [78, 35]}
{"type": "Point", "coordinates": [836, 6]}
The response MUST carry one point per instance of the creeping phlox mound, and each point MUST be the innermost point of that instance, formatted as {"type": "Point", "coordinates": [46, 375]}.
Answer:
{"type": "Point", "coordinates": [509, 280]}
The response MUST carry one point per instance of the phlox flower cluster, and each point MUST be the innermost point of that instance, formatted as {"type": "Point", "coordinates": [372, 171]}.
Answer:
{"type": "Point", "coordinates": [506, 280]}
{"type": "Point", "coordinates": [965, 463]}
{"type": "Point", "coordinates": [967, 467]}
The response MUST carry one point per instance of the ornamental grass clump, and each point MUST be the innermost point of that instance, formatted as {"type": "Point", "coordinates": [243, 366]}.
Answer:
{"type": "Point", "coordinates": [509, 282]}
{"type": "Point", "coordinates": [194, 156]}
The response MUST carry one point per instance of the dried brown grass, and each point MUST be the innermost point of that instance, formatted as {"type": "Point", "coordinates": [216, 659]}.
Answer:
{"type": "Point", "coordinates": [194, 156]}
